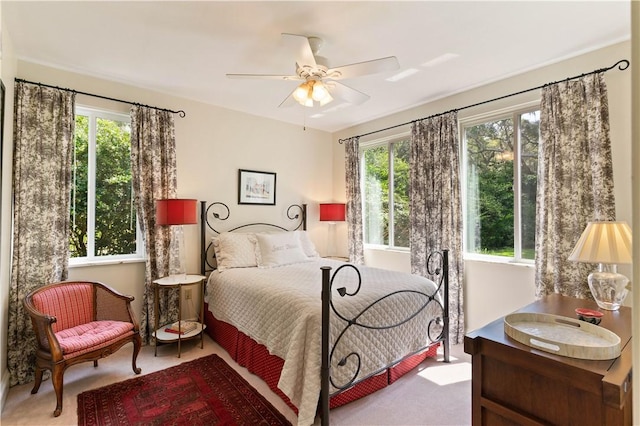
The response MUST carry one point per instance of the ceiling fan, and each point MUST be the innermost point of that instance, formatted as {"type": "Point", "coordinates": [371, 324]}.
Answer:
{"type": "Point", "coordinates": [319, 81]}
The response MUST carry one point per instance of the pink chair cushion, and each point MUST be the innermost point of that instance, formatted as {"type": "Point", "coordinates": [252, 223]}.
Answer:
{"type": "Point", "coordinates": [91, 335]}
{"type": "Point", "coordinates": [71, 304]}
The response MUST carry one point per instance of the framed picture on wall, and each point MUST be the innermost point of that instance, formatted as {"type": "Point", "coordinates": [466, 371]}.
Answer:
{"type": "Point", "coordinates": [256, 187]}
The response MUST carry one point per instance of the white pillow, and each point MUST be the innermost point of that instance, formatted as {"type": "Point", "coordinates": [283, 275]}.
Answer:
{"type": "Point", "coordinates": [307, 245]}
{"type": "Point", "coordinates": [235, 250]}
{"type": "Point", "coordinates": [282, 248]}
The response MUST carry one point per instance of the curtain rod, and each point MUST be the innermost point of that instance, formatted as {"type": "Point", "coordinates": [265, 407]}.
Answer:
{"type": "Point", "coordinates": [622, 65]}
{"type": "Point", "coordinates": [180, 113]}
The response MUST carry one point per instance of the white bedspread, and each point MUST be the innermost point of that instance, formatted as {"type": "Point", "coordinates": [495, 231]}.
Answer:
{"type": "Point", "coordinates": [281, 309]}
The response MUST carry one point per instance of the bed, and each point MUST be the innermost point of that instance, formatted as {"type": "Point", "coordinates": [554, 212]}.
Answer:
{"type": "Point", "coordinates": [320, 332]}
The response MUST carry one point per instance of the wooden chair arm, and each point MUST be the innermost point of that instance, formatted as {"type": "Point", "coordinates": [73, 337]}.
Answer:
{"type": "Point", "coordinates": [42, 325]}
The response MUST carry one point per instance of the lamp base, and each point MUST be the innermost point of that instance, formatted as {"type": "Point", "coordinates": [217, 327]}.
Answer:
{"type": "Point", "coordinates": [608, 287]}
{"type": "Point", "coordinates": [177, 255]}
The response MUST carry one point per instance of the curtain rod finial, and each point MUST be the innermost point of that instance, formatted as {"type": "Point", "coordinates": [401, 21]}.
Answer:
{"type": "Point", "coordinates": [622, 64]}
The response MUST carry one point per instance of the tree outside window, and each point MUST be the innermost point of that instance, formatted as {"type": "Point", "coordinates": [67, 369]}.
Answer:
{"type": "Point", "coordinates": [386, 194]}
{"type": "Point", "coordinates": [501, 180]}
{"type": "Point", "coordinates": [103, 218]}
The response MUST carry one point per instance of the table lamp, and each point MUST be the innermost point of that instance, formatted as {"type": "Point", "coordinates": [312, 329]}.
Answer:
{"type": "Point", "coordinates": [332, 213]}
{"type": "Point", "coordinates": [176, 212]}
{"type": "Point", "coordinates": [608, 244]}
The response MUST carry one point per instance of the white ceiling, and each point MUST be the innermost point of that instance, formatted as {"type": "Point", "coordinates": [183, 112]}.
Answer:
{"type": "Point", "coordinates": [186, 48]}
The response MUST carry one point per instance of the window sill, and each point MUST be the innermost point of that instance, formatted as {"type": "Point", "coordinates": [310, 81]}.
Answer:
{"type": "Point", "coordinates": [386, 248]}
{"type": "Point", "coordinates": [96, 262]}
{"type": "Point", "coordinates": [466, 257]}
{"type": "Point", "coordinates": [496, 259]}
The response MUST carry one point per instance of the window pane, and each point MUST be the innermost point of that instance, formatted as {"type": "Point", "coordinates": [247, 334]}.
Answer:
{"type": "Point", "coordinates": [115, 228]}
{"type": "Point", "coordinates": [401, 226]}
{"type": "Point", "coordinates": [78, 237]}
{"type": "Point", "coordinates": [376, 195]}
{"type": "Point", "coordinates": [490, 208]}
{"type": "Point", "coordinates": [529, 137]}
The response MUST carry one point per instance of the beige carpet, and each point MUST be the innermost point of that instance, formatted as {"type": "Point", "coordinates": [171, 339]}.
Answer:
{"type": "Point", "coordinates": [434, 394]}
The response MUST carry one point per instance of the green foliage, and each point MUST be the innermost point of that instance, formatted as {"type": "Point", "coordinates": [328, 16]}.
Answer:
{"type": "Point", "coordinates": [115, 221]}
{"type": "Point", "coordinates": [496, 205]}
{"type": "Point", "coordinates": [78, 236]}
{"type": "Point", "coordinates": [401, 187]}
{"type": "Point", "coordinates": [490, 148]}
{"type": "Point", "coordinates": [376, 199]}
{"type": "Point", "coordinates": [376, 182]}
{"type": "Point", "coordinates": [530, 139]}
{"type": "Point", "coordinates": [490, 154]}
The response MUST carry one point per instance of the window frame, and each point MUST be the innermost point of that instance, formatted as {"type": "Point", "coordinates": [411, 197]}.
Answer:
{"type": "Point", "coordinates": [91, 259]}
{"type": "Point", "coordinates": [511, 112]}
{"type": "Point", "coordinates": [387, 141]}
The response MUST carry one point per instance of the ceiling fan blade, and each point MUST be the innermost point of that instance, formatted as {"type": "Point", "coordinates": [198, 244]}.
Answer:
{"type": "Point", "coordinates": [374, 66]}
{"type": "Point", "coordinates": [288, 102]}
{"type": "Point", "coordinates": [346, 93]}
{"type": "Point", "coordinates": [265, 76]}
{"type": "Point", "coordinates": [300, 45]}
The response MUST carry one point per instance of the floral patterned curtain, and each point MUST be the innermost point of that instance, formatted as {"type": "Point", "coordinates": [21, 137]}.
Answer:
{"type": "Point", "coordinates": [44, 123]}
{"type": "Point", "coordinates": [153, 168]}
{"type": "Point", "coordinates": [354, 201]}
{"type": "Point", "coordinates": [436, 208]}
{"type": "Point", "coordinates": [575, 180]}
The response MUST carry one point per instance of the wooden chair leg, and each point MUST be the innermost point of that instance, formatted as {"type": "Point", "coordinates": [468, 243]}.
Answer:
{"type": "Point", "coordinates": [137, 343]}
{"type": "Point", "coordinates": [57, 381]}
{"type": "Point", "coordinates": [38, 381]}
{"type": "Point", "coordinates": [95, 363]}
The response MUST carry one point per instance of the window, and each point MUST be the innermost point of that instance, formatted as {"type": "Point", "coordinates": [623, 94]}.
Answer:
{"type": "Point", "coordinates": [386, 193]}
{"type": "Point", "coordinates": [500, 172]}
{"type": "Point", "coordinates": [103, 216]}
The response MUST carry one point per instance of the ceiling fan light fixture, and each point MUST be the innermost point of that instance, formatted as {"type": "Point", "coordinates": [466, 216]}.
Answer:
{"type": "Point", "coordinates": [301, 93]}
{"type": "Point", "coordinates": [326, 99]}
{"type": "Point", "coordinates": [320, 92]}
{"type": "Point", "coordinates": [313, 69]}
{"type": "Point", "coordinates": [312, 91]}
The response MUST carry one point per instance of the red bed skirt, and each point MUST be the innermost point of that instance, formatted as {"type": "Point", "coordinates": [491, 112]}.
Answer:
{"type": "Point", "coordinates": [257, 359]}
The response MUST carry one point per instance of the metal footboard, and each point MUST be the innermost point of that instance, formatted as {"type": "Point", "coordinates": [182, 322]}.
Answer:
{"type": "Point", "coordinates": [437, 329]}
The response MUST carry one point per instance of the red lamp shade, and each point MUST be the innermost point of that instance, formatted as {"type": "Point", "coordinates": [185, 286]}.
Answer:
{"type": "Point", "coordinates": [176, 212]}
{"type": "Point", "coordinates": [332, 212]}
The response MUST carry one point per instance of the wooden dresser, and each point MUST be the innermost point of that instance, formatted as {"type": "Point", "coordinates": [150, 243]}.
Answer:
{"type": "Point", "coordinates": [513, 383]}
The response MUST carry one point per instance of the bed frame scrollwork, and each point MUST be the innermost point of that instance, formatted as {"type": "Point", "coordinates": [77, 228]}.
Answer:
{"type": "Point", "coordinates": [218, 211]}
{"type": "Point", "coordinates": [437, 329]}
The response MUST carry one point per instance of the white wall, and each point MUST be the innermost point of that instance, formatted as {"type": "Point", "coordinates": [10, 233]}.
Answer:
{"type": "Point", "coordinates": [8, 65]}
{"type": "Point", "coordinates": [492, 290]}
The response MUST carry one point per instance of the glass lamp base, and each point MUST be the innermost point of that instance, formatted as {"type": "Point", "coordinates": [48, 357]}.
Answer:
{"type": "Point", "coordinates": [608, 287]}
{"type": "Point", "coordinates": [177, 256]}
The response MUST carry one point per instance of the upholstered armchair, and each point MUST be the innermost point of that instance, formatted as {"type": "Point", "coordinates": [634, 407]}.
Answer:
{"type": "Point", "coordinates": [78, 321]}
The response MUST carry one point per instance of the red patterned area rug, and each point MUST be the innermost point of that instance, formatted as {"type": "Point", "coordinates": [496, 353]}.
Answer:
{"type": "Point", "coordinates": [206, 391]}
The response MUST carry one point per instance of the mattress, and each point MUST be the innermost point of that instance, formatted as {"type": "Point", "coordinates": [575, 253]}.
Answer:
{"type": "Point", "coordinates": [280, 308]}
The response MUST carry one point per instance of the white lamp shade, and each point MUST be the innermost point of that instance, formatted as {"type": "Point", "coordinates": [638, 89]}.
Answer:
{"type": "Point", "coordinates": [301, 92]}
{"type": "Point", "coordinates": [604, 242]}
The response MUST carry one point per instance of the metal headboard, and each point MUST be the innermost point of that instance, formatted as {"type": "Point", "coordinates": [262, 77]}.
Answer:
{"type": "Point", "coordinates": [218, 211]}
